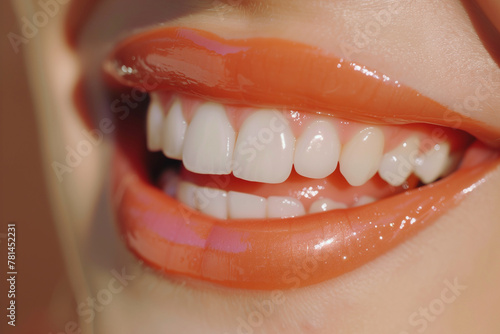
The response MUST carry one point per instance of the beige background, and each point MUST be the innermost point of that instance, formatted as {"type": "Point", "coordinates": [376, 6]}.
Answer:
{"type": "Point", "coordinates": [23, 198]}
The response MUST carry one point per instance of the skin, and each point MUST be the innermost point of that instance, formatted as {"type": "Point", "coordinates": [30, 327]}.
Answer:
{"type": "Point", "coordinates": [424, 46]}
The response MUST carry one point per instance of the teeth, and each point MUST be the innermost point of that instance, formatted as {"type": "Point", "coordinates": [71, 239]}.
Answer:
{"type": "Point", "coordinates": [317, 150]}
{"type": "Point", "coordinates": [284, 207]}
{"type": "Point", "coordinates": [236, 205]}
{"type": "Point", "coordinates": [432, 164]}
{"type": "Point", "coordinates": [209, 142]}
{"type": "Point", "coordinates": [185, 194]}
{"type": "Point", "coordinates": [325, 204]}
{"type": "Point", "coordinates": [361, 156]}
{"type": "Point", "coordinates": [154, 124]}
{"type": "Point", "coordinates": [397, 164]}
{"type": "Point", "coordinates": [212, 202]}
{"type": "Point", "coordinates": [174, 129]}
{"type": "Point", "coordinates": [243, 206]}
{"type": "Point", "coordinates": [264, 149]}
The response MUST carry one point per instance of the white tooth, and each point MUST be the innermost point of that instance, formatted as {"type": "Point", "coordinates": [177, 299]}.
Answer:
{"type": "Point", "coordinates": [397, 164]}
{"type": "Point", "coordinates": [283, 207]}
{"type": "Point", "coordinates": [173, 131]}
{"type": "Point", "coordinates": [326, 204]}
{"type": "Point", "coordinates": [431, 164]}
{"type": "Point", "coordinates": [185, 194]}
{"type": "Point", "coordinates": [264, 149]}
{"type": "Point", "coordinates": [154, 124]}
{"type": "Point", "coordinates": [242, 206]}
{"type": "Point", "coordinates": [317, 150]}
{"type": "Point", "coordinates": [209, 142]}
{"type": "Point", "coordinates": [212, 202]}
{"type": "Point", "coordinates": [364, 200]}
{"type": "Point", "coordinates": [361, 156]}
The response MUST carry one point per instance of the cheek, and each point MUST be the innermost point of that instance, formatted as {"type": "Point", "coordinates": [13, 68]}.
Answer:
{"type": "Point", "coordinates": [74, 165]}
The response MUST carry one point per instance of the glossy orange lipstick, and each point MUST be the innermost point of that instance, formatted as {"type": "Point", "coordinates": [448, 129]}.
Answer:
{"type": "Point", "coordinates": [269, 72]}
{"type": "Point", "coordinates": [272, 253]}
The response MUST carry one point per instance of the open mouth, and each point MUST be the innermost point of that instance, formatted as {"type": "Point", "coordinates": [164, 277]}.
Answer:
{"type": "Point", "coordinates": [263, 163]}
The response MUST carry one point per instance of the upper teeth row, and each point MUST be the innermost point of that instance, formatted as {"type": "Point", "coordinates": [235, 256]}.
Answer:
{"type": "Point", "coordinates": [265, 148]}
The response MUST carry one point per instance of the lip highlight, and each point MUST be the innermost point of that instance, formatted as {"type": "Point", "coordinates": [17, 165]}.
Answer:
{"type": "Point", "coordinates": [271, 253]}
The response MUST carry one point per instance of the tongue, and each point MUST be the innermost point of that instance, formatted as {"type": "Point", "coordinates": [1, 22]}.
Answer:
{"type": "Point", "coordinates": [333, 187]}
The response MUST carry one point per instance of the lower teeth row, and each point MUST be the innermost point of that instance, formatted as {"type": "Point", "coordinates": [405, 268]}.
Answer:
{"type": "Point", "coordinates": [236, 205]}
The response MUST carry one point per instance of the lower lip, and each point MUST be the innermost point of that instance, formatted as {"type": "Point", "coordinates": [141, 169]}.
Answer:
{"type": "Point", "coordinates": [272, 254]}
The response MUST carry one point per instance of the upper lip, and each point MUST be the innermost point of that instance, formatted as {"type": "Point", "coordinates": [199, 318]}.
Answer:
{"type": "Point", "coordinates": [262, 72]}
{"type": "Point", "coordinates": [269, 72]}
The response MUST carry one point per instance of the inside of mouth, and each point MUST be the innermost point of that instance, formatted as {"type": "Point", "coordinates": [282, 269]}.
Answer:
{"type": "Point", "coordinates": [234, 162]}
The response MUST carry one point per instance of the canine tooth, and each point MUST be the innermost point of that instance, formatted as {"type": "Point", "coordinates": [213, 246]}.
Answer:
{"type": "Point", "coordinates": [212, 202]}
{"type": "Point", "coordinates": [364, 200]}
{"type": "Point", "coordinates": [185, 194]}
{"type": "Point", "coordinates": [154, 122]}
{"type": "Point", "coordinates": [361, 156]}
{"type": "Point", "coordinates": [209, 141]}
{"type": "Point", "coordinates": [431, 164]}
{"type": "Point", "coordinates": [399, 163]}
{"type": "Point", "coordinates": [264, 149]}
{"type": "Point", "coordinates": [317, 150]}
{"type": "Point", "coordinates": [283, 207]}
{"type": "Point", "coordinates": [242, 206]}
{"type": "Point", "coordinates": [173, 131]}
{"type": "Point", "coordinates": [326, 204]}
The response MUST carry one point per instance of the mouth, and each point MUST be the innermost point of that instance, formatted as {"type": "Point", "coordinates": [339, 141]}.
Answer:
{"type": "Point", "coordinates": [269, 164]}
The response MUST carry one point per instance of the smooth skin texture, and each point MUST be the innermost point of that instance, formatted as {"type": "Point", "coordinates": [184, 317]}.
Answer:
{"type": "Point", "coordinates": [431, 46]}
